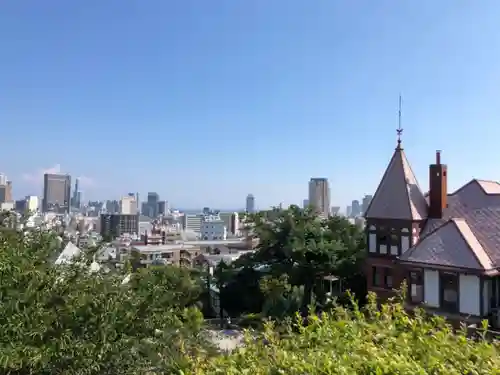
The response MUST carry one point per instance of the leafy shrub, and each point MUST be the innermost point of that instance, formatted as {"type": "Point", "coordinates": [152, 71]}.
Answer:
{"type": "Point", "coordinates": [372, 341]}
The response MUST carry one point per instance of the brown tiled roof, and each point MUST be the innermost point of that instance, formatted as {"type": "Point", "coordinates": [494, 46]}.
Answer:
{"type": "Point", "coordinates": [472, 218]}
{"type": "Point", "coordinates": [398, 195]}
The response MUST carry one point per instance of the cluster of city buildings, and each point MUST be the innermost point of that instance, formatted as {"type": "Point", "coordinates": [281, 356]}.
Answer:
{"type": "Point", "coordinates": [150, 232]}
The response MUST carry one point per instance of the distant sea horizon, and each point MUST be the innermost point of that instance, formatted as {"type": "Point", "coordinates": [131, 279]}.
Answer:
{"type": "Point", "coordinates": [200, 210]}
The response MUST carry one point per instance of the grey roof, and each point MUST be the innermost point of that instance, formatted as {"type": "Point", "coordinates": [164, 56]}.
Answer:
{"type": "Point", "coordinates": [453, 244]}
{"type": "Point", "coordinates": [68, 254]}
{"type": "Point", "coordinates": [398, 195]}
{"type": "Point", "coordinates": [475, 210]}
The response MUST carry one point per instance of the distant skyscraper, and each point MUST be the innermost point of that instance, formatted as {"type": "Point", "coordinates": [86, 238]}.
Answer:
{"type": "Point", "coordinates": [56, 192]}
{"type": "Point", "coordinates": [162, 207]}
{"type": "Point", "coordinates": [319, 196]}
{"type": "Point", "coordinates": [355, 208]}
{"type": "Point", "coordinates": [250, 204]}
{"type": "Point", "coordinates": [153, 199]}
{"type": "Point", "coordinates": [305, 203]}
{"type": "Point", "coordinates": [128, 205]}
{"type": "Point", "coordinates": [348, 211]}
{"type": "Point", "coordinates": [75, 202]}
{"type": "Point", "coordinates": [366, 202]}
{"type": "Point", "coordinates": [5, 189]}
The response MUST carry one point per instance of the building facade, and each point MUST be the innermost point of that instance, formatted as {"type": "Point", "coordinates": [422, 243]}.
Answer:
{"type": "Point", "coordinates": [56, 193]}
{"type": "Point", "coordinates": [114, 225]}
{"type": "Point", "coordinates": [128, 205]}
{"type": "Point", "coordinates": [319, 196]}
{"type": "Point", "coordinates": [213, 228]}
{"type": "Point", "coordinates": [192, 222]}
{"type": "Point", "coordinates": [250, 203]}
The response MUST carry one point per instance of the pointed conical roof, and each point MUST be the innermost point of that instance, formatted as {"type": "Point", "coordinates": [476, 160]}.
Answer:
{"type": "Point", "coordinates": [398, 195]}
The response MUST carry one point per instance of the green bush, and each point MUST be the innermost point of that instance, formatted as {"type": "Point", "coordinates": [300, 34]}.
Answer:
{"type": "Point", "coordinates": [386, 341]}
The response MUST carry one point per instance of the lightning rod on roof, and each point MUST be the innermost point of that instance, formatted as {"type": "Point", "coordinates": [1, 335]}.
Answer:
{"type": "Point", "coordinates": [399, 130]}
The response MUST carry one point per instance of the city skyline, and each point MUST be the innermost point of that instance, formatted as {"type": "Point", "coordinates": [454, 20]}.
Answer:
{"type": "Point", "coordinates": [313, 86]}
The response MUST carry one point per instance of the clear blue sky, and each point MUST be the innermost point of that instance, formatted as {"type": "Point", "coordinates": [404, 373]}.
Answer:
{"type": "Point", "coordinates": [207, 101]}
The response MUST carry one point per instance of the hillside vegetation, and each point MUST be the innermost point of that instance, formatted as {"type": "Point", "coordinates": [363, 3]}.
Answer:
{"type": "Point", "coordinates": [67, 320]}
{"type": "Point", "coordinates": [385, 341]}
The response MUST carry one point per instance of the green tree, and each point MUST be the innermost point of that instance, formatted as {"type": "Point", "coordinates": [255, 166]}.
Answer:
{"type": "Point", "coordinates": [66, 320]}
{"type": "Point", "coordinates": [281, 298]}
{"type": "Point", "coordinates": [298, 243]}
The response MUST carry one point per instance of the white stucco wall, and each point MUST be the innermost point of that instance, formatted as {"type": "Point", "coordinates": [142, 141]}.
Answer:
{"type": "Point", "coordinates": [469, 294]}
{"type": "Point", "coordinates": [431, 288]}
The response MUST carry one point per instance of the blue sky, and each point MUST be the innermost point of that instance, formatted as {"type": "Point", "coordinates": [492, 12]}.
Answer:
{"type": "Point", "coordinates": [207, 101]}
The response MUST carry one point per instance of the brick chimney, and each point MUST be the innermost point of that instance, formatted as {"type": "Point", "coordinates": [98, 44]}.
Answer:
{"type": "Point", "coordinates": [438, 188]}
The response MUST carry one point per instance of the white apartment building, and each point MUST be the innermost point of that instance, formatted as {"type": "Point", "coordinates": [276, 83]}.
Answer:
{"type": "Point", "coordinates": [32, 203]}
{"type": "Point", "coordinates": [192, 222]}
{"type": "Point", "coordinates": [213, 228]}
{"type": "Point", "coordinates": [128, 205]}
{"type": "Point", "coordinates": [319, 196]}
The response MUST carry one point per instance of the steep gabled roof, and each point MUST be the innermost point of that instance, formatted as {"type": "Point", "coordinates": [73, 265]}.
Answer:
{"type": "Point", "coordinates": [398, 195]}
{"type": "Point", "coordinates": [453, 244]}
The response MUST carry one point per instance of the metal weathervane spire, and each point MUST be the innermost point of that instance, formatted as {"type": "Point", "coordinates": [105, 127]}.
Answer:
{"type": "Point", "coordinates": [399, 130]}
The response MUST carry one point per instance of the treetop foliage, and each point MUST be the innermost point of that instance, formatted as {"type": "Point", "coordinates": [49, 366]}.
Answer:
{"type": "Point", "coordinates": [66, 320]}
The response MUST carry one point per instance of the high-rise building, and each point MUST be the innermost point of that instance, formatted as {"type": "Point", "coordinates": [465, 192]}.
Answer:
{"type": "Point", "coordinates": [250, 204]}
{"type": "Point", "coordinates": [113, 207]}
{"type": "Point", "coordinates": [366, 202]}
{"type": "Point", "coordinates": [152, 204]}
{"type": "Point", "coordinates": [56, 192]}
{"type": "Point", "coordinates": [114, 225]}
{"type": "Point", "coordinates": [128, 205]}
{"type": "Point", "coordinates": [305, 203]}
{"type": "Point", "coordinates": [75, 202]}
{"type": "Point", "coordinates": [355, 208]}
{"type": "Point", "coordinates": [348, 211]}
{"type": "Point", "coordinates": [319, 196]}
{"type": "Point", "coordinates": [5, 189]}
{"type": "Point", "coordinates": [163, 208]}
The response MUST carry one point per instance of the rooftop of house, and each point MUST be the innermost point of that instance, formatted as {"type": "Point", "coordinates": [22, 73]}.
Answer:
{"type": "Point", "coordinates": [465, 236]}
{"type": "Point", "coordinates": [468, 234]}
{"type": "Point", "coordinates": [398, 195]}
